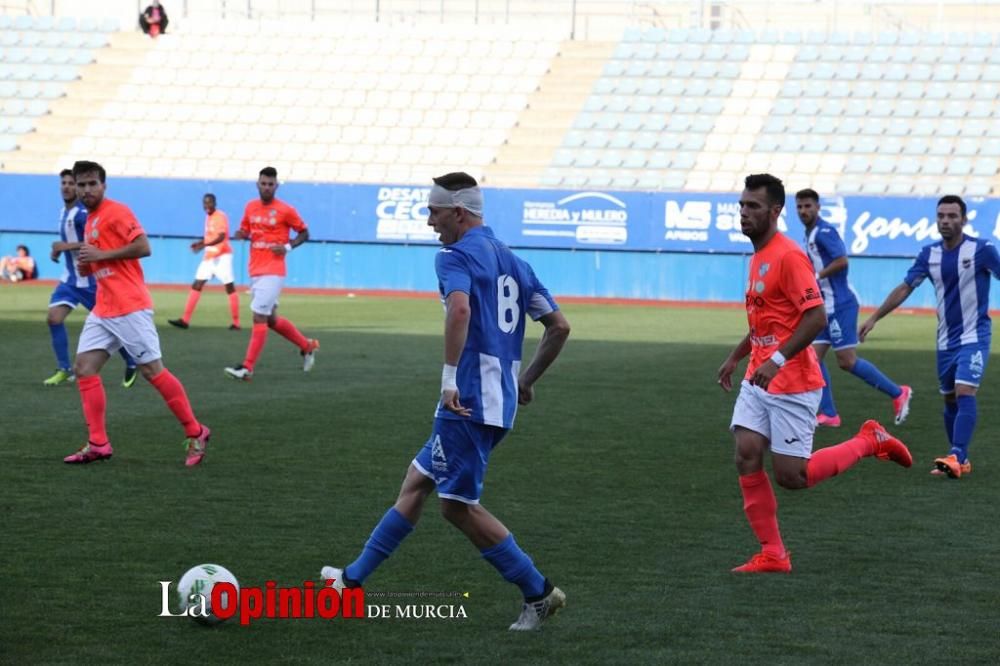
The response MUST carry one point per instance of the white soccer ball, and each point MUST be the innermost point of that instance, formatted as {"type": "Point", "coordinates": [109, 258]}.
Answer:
{"type": "Point", "coordinates": [195, 591]}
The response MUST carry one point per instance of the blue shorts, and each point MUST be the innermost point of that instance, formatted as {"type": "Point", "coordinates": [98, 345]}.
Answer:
{"type": "Point", "coordinates": [841, 330]}
{"type": "Point", "coordinates": [67, 294]}
{"type": "Point", "coordinates": [456, 455]}
{"type": "Point", "coordinates": [962, 365]}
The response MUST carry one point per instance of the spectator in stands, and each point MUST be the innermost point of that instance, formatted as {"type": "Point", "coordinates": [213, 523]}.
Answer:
{"type": "Point", "coordinates": [153, 19]}
{"type": "Point", "coordinates": [18, 267]}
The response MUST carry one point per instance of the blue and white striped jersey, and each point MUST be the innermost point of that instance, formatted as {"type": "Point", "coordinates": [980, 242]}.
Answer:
{"type": "Point", "coordinates": [72, 220]}
{"type": "Point", "coordinates": [502, 288]}
{"type": "Point", "coordinates": [823, 245]}
{"type": "Point", "coordinates": [961, 279]}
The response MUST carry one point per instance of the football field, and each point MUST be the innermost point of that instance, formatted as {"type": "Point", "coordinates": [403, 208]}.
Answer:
{"type": "Point", "coordinates": [618, 480]}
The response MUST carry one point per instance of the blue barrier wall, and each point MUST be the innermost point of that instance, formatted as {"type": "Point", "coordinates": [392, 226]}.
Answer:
{"type": "Point", "coordinates": [664, 276]}
{"type": "Point", "coordinates": [666, 246]}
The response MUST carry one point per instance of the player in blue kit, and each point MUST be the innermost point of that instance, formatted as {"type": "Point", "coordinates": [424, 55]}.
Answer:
{"type": "Point", "coordinates": [959, 267]}
{"type": "Point", "coordinates": [72, 290]}
{"type": "Point", "coordinates": [828, 255]}
{"type": "Point", "coordinates": [487, 292]}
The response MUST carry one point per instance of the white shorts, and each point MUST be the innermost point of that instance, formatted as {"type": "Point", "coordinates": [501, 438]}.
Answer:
{"type": "Point", "coordinates": [264, 292]}
{"type": "Point", "coordinates": [135, 331]}
{"type": "Point", "coordinates": [788, 420]}
{"type": "Point", "coordinates": [220, 267]}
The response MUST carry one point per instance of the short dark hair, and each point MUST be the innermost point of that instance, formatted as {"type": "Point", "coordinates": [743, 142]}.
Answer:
{"type": "Point", "coordinates": [83, 167]}
{"type": "Point", "coordinates": [807, 193]}
{"type": "Point", "coordinates": [66, 172]}
{"type": "Point", "coordinates": [25, 248]}
{"type": "Point", "coordinates": [209, 195]}
{"type": "Point", "coordinates": [775, 188]}
{"type": "Point", "coordinates": [269, 171]}
{"type": "Point", "coordinates": [952, 199]}
{"type": "Point", "coordinates": [457, 180]}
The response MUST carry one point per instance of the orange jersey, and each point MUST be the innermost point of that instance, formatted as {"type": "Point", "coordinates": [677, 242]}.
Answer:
{"type": "Point", "coordinates": [121, 286]}
{"type": "Point", "coordinates": [215, 224]}
{"type": "Point", "coordinates": [266, 225]}
{"type": "Point", "coordinates": [782, 285]}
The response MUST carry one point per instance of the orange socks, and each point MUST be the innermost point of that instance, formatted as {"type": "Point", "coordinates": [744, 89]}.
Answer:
{"type": "Point", "coordinates": [833, 460]}
{"type": "Point", "coordinates": [761, 508]}
{"type": "Point", "coordinates": [234, 308]}
{"type": "Point", "coordinates": [192, 303]}
{"type": "Point", "coordinates": [258, 336]}
{"type": "Point", "coordinates": [94, 406]}
{"type": "Point", "coordinates": [287, 329]}
{"type": "Point", "coordinates": [173, 394]}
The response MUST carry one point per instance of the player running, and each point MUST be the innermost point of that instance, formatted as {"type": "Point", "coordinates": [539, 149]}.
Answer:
{"type": "Point", "coordinates": [776, 406]}
{"type": "Point", "coordinates": [487, 292]}
{"type": "Point", "coordinates": [114, 241]}
{"type": "Point", "coordinates": [267, 222]}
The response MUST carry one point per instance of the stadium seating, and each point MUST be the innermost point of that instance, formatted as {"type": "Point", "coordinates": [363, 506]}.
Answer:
{"type": "Point", "coordinates": [899, 113]}
{"type": "Point", "coordinates": [368, 105]}
{"type": "Point", "coordinates": [39, 56]}
{"type": "Point", "coordinates": [662, 108]}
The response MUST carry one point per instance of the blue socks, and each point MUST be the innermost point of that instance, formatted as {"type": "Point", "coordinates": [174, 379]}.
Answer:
{"type": "Point", "coordinates": [826, 405]}
{"type": "Point", "coordinates": [950, 412]}
{"type": "Point", "coordinates": [516, 567]}
{"type": "Point", "coordinates": [60, 345]}
{"type": "Point", "coordinates": [385, 539]}
{"type": "Point", "coordinates": [129, 361]}
{"type": "Point", "coordinates": [873, 376]}
{"type": "Point", "coordinates": [965, 424]}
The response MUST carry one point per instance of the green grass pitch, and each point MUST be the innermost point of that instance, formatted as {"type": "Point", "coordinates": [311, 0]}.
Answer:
{"type": "Point", "coordinates": [618, 480]}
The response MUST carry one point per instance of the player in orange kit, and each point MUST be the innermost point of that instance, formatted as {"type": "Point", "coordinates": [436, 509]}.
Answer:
{"type": "Point", "coordinates": [113, 243]}
{"type": "Point", "coordinates": [776, 407]}
{"type": "Point", "coordinates": [218, 262]}
{"type": "Point", "coordinates": [267, 223]}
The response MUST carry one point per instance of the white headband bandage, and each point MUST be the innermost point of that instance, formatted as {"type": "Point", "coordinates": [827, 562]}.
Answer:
{"type": "Point", "coordinates": [471, 199]}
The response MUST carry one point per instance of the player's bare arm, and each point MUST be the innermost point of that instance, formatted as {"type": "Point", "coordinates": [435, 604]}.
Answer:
{"type": "Point", "coordinates": [834, 267]}
{"type": "Point", "coordinates": [728, 367]}
{"type": "Point", "coordinates": [456, 331]}
{"type": "Point", "coordinates": [241, 235]}
{"type": "Point", "coordinates": [555, 336]}
{"type": "Point", "coordinates": [200, 244]}
{"type": "Point", "coordinates": [299, 239]}
{"type": "Point", "coordinates": [137, 249]}
{"type": "Point", "coordinates": [892, 301]}
{"type": "Point", "coordinates": [813, 321]}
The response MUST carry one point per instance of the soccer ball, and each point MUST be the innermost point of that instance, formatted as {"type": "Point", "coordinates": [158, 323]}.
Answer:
{"type": "Point", "coordinates": [200, 580]}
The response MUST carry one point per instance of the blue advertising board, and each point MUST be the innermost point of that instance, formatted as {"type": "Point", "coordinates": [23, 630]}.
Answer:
{"type": "Point", "coordinates": [544, 219]}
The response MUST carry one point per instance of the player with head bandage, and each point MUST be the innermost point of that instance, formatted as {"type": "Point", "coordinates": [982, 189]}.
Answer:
{"type": "Point", "coordinates": [487, 290]}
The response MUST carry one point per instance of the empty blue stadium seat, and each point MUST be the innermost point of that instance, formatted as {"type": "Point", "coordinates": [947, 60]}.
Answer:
{"type": "Point", "coordinates": [986, 166]}
{"type": "Point", "coordinates": [20, 125]}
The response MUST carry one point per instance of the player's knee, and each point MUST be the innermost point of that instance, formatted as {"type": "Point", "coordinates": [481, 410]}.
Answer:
{"type": "Point", "coordinates": [846, 363]}
{"type": "Point", "coordinates": [82, 367]}
{"type": "Point", "coordinates": [52, 320]}
{"type": "Point", "coordinates": [747, 458]}
{"type": "Point", "coordinates": [230, 288]}
{"type": "Point", "coordinates": [791, 479]}
{"type": "Point", "coordinates": [456, 513]}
